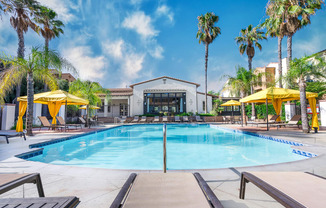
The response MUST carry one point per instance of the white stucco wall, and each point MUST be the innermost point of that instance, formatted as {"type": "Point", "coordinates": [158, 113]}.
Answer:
{"type": "Point", "coordinates": [8, 116]}
{"type": "Point", "coordinates": [201, 99]}
{"type": "Point", "coordinates": [137, 99]}
{"type": "Point", "coordinates": [284, 71]}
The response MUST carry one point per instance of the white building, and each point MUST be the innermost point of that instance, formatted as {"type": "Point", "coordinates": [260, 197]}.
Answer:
{"type": "Point", "coordinates": [155, 96]}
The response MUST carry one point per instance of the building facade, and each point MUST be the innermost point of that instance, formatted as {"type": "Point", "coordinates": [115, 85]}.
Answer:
{"type": "Point", "coordinates": [155, 96]}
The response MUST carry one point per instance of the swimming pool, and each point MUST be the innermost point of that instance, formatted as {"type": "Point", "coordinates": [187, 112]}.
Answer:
{"type": "Point", "coordinates": [189, 146]}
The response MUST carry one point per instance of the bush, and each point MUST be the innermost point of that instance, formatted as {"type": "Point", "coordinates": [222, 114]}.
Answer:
{"type": "Point", "coordinates": [261, 111]}
{"type": "Point", "coordinates": [206, 114]}
{"type": "Point", "coordinates": [148, 115]}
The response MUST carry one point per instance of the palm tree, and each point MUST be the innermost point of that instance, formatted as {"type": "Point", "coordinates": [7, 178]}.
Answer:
{"type": "Point", "coordinates": [90, 91]}
{"type": "Point", "coordinates": [34, 67]}
{"type": "Point", "coordinates": [51, 28]}
{"type": "Point", "coordinates": [272, 24]}
{"type": "Point", "coordinates": [207, 33]}
{"type": "Point", "coordinates": [21, 11]}
{"type": "Point", "coordinates": [248, 40]}
{"type": "Point", "coordinates": [240, 84]}
{"type": "Point", "coordinates": [294, 15]}
{"type": "Point", "coordinates": [301, 69]}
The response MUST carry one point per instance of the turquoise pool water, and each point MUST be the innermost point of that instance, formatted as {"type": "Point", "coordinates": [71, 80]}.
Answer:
{"type": "Point", "coordinates": [188, 147]}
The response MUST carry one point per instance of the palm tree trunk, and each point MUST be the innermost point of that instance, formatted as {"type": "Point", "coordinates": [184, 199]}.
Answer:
{"type": "Point", "coordinates": [244, 121]}
{"type": "Point", "coordinates": [206, 61]}
{"type": "Point", "coordinates": [289, 50]}
{"type": "Point", "coordinates": [20, 54]}
{"type": "Point", "coordinates": [280, 61]}
{"type": "Point", "coordinates": [30, 97]}
{"type": "Point", "coordinates": [45, 88]}
{"type": "Point", "coordinates": [304, 118]}
{"type": "Point", "coordinates": [253, 113]}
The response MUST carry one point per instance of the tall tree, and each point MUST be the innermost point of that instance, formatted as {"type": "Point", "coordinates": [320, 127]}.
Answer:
{"type": "Point", "coordinates": [34, 67]}
{"type": "Point", "coordinates": [21, 19]}
{"type": "Point", "coordinates": [300, 70]}
{"type": "Point", "coordinates": [89, 90]}
{"type": "Point", "coordinates": [273, 24]}
{"type": "Point", "coordinates": [240, 84]}
{"type": "Point", "coordinates": [207, 33]}
{"type": "Point", "coordinates": [248, 40]}
{"type": "Point", "coordinates": [52, 27]}
{"type": "Point", "coordinates": [294, 15]}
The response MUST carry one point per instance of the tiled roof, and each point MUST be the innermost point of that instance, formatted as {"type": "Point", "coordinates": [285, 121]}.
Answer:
{"type": "Point", "coordinates": [120, 91]}
{"type": "Point", "coordinates": [180, 80]}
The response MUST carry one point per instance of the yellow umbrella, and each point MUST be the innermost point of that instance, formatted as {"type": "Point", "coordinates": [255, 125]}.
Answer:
{"type": "Point", "coordinates": [90, 107]}
{"type": "Point", "coordinates": [278, 95]}
{"type": "Point", "coordinates": [54, 100]}
{"type": "Point", "coordinates": [231, 103]}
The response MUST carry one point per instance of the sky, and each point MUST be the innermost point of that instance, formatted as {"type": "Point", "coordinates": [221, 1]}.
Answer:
{"type": "Point", "coordinates": [121, 42]}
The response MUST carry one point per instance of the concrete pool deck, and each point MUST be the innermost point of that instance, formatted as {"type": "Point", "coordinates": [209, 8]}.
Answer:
{"type": "Point", "coordinates": [98, 187]}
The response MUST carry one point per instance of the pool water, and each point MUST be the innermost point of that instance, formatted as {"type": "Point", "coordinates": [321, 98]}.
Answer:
{"type": "Point", "coordinates": [189, 146]}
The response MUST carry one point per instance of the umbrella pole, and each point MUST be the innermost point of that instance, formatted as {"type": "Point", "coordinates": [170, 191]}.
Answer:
{"type": "Point", "coordinates": [267, 113]}
{"type": "Point", "coordinates": [66, 116]}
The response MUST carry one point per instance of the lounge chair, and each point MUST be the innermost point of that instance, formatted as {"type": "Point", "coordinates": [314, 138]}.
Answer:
{"type": "Point", "coordinates": [291, 189]}
{"type": "Point", "coordinates": [272, 120]}
{"type": "Point", "coordinates": [156, 119]}
{"type": "Point", "coordinates": [177, 119]}
{"type": "Point", "coordinates": [226, 119]}
{"type": "Point", "coordinates": [63, 123]}
{"type": "Point", "coordinates": [237, 119]}
{"type": "Point", "coordinates": [45, 123]}
{"type": "Point", "coordinates": [96, 121]}
{"type": "Point", "coordinates": [143, 119]}
{"type": "Point", "coordinates": [293, 122]}
{"type": "Point", "coordinates": [123, 119]}
{"type": "Point", "coordinates": [165, 119]}
{"type": "Point", "coordinates": [11, 181]}
{"type": "Point", "coordinates": [185, 119]}
{"type": "Point", "coordinates": [12, 134]}
{"type": "Point", "coordinates": [82, 120]}
{"type": "Point", "coordinates": [135, 120]}
{"type": "Point", "coordinates": [166, 190]}
{"type": "Point", "coordinates": [198, 119]}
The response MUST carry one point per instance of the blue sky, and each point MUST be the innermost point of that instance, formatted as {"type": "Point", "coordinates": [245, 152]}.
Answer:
{"type": "Point", "coordinates": [120, 42]}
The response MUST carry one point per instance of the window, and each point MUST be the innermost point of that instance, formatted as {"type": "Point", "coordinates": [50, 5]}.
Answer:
{"type": "Point", "coordinates": [204, 106]}
{"type": "Point", "coordinates": [155, 103]}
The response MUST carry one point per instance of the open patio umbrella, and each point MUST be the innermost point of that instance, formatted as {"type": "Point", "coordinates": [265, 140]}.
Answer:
{"type": "Point", "coordinates": [54, 100]}
{"type": "Point", "coordinates": [278, 95]}
{"type": "Point", "coordinates": [231, 103]}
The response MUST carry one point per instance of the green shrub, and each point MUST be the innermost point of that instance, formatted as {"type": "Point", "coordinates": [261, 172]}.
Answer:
{"type": "Point", "coordinates": [206, 114]}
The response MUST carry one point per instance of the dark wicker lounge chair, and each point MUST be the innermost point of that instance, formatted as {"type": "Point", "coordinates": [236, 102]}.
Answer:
{"type": "Point", "coordinates": [143, 119]}
{"type": "Point", "coordinates": [135, 120]}
{"type": "Point", "coordinates": [12, 134]}
{"type": "Point", "coordinates": [291, 189]}
{"type": "Point", "coordinates": [165, 119]}
{"type": "Point", "coordinates": [11, 181]}
{"type": "Point", "coordinates": [198, 119]}
{"type": "Point", "coordinates": [293, 122]}
{"type": "Point", "coordinates": [177, 119]}
{"type": "Point", "coordinates": [45, 123]}
{"type": "Point", "coordinates": [63, 123]}
{"type": "Point", "coordinates": [166, 190]}
{"type": "Point", "coordinates": [272, 120]}
{"type": "Point", "coordinates": [185, 119]}
{"type": "Point", "coordinates": [156, 119]}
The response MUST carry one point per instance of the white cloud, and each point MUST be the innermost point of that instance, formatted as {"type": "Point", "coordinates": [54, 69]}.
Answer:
{"type": "Point", "coordinates": [89, 68]}
{"type": "Point", "coordinates": [132, 65]}
{"type": "Point", "coordinates": [61, 7]}
{"type": "Point", "coordinates": [141, 23]}
{"type": "Point", "coordinates": [135, 2]}
{"type": "Point", "coordinates": [157, 52]}
{"type": "Point", "coordinates": [164, 10]}
{"type": "Point", "coordinates": [114, 49]}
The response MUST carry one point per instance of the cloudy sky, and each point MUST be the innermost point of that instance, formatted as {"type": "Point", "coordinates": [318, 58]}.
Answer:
{"type": "Point", "coordinates": [120, 42]}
